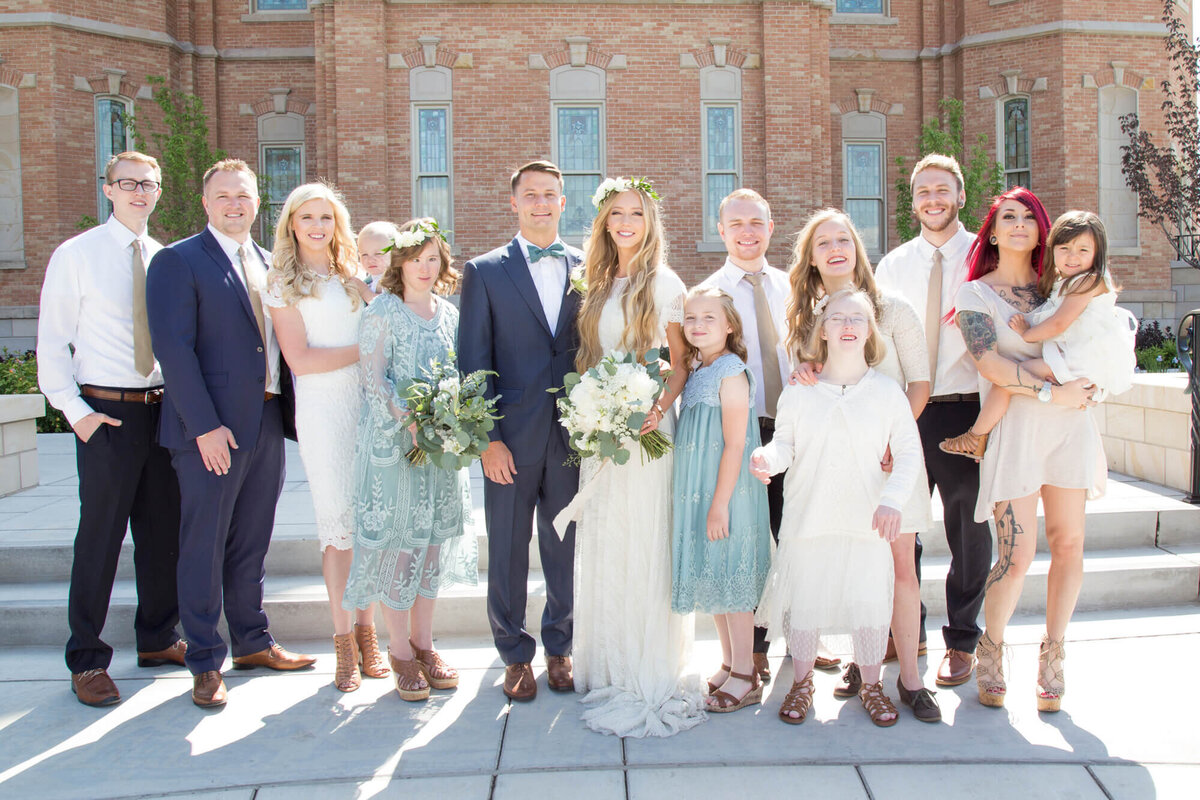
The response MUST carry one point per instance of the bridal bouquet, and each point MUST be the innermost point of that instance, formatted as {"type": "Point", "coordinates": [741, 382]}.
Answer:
{"type": "Point", "coordinates": [450, 414]}
{"type": "Point", "coordinates": [604, 408]}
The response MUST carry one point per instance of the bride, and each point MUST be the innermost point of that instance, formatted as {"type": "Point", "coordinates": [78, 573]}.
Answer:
{"type": "Point", "coordinates": [630, 651]}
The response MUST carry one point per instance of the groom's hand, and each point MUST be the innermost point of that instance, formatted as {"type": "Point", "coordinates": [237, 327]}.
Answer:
{"type": "Point", "coordinates": [214, 449]}
{"type": "Point", "coordinates": [498, 463]}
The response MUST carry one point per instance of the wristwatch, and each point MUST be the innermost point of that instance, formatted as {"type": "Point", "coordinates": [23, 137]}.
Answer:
{"type": "Point", "coordinates": [1045, 394]}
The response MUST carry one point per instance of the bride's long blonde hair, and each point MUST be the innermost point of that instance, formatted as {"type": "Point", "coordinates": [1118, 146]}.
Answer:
{"type": "Point", "coordinates": [295, 281]}
{"type": "Point", "coordinates": [600, 266]}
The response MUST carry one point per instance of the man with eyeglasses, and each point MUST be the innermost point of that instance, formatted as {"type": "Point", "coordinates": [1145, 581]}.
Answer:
{"type": "Point", "coordinates": [110, 389]}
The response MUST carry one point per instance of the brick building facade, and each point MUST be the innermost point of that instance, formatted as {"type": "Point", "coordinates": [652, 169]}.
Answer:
{"type": "Point", "coordinates": [424, 107]}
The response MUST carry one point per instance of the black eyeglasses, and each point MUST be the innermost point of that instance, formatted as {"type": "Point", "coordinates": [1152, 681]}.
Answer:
{"type": "Point", "coordinates": [130, 185]}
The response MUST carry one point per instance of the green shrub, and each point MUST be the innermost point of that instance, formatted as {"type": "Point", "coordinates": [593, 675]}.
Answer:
{"type": "Point", "coordinates": [18, 375]}
{"type": "Point", "coordinates": [1159, 358]}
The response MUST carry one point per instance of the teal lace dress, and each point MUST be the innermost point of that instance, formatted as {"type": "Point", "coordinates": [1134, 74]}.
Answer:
{"type": "Point", "coordinates": [410, 533]}
{"type": "Point", "coordinates": [727, 575]}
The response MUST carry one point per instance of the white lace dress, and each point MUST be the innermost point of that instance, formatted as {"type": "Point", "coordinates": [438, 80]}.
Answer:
{"type": "Point", "coordinates": [327, 410]}
{"type": "Point", "coordinates": [630, 652]}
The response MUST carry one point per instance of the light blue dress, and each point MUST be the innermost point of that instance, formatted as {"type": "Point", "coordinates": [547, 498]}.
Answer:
{"type": "Point", "coordinates": [727, 575]}
{"type": "Point", "coordinates": [409, 522]}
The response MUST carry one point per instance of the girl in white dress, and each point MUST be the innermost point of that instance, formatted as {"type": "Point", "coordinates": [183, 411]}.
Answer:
{"type": "Point", "coordinates": [315, 304]}
{"type": "Point", "coordinates": [829, 256]}
{"type": "Point", "coordinates": [630, 652]}
{"type": "Point", "coordinates": [832, 573]}
{"type": "Point", "coordinates": [1083, 333]}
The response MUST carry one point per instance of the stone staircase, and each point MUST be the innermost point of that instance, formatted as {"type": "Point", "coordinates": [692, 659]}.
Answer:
{"type": "Point", "coordinates": [1143, 550]}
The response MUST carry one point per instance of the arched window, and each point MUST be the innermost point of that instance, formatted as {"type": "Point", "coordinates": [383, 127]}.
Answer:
{"type": "Point", "coordinates": [577, 96]}
{"type": "Point", "coordinates": [112, 137]}
{"type": "Point", "coordinates": [12, 220]}
{"type": "Point", "coordinates": [721, 138]}
{"type": "Point", "coordinates": [430, 91]}
{"type": "Point", "coordinates": [1013, 136]}
{"type": "Point", "coordinates": [280, 164]}
{"type": "Point", "coordinates": [864, 170]}
{"type": "Point", "coordinates": [1118, 203]}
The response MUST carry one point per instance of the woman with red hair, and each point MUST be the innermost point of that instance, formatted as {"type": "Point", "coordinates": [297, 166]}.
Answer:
{"type": "Point", "coordinates": [1046, 446]}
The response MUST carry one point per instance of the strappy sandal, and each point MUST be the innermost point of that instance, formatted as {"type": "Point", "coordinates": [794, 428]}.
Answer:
{"type": "Point", "coordinates": [851, 682]}
{"type": "Point", "coordinates": [410, 681]}
{"type": "Point", "coordinates": [370, 660]}
{"type": "Point", "coordinates": [1052, 683]}
{"type": "Point", "coordinates": [725, 702]}
{"type": "Point", "coordinates": [345, 675]}
{"type": "Point", "coordinates": [799, 699]}
{"type": "Point", "coordinates": [969, 444]}
{"type": "Point", "coordinates": [712, 687]}
{"type": "Point", "coordinates": [437, 672]}
{"type": "Point", "coordinates": [877, 704]}
{"type": "Point", "coordinates": [989, 672]}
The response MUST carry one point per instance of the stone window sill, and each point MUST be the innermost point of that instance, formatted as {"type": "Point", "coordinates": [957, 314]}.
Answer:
{"type": "Point", "coordinates": [716, 246]}
{"type": "Point", "coordinates": [862, 19]}
{"type": "Point", "coordinates": [277, 16]}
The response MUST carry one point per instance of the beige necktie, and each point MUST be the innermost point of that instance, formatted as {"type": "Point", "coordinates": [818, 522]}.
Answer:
{"type": "Point", "coordinates": [244, 257]}
{"type": "Point", "coordinates": [143, 354]}
{"type": "Point", "coordinates": [768, 341]}
{"type": "Point", "coordinates": [933, 314]}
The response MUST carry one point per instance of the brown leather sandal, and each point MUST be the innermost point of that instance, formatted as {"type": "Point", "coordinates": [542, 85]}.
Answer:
{"type": "Point", "coordinates": [877, 704]}
{"type": "Point", "coordinates": [799, 699]}
{"type": "Point", "coordinates": [724, 702]}
{"type": "Point", "coordinates": [345, 675]}
{"type": "Point", "coordinates": [712, 687]}
{"type": "Point", "coordinates": [1052, 682]}
{"type": "Point", "coordinates": [851, 682]}
{"type": "Point", "coordinates": [437, 672]}
{"type": "Point", "coordinates": [989, 672]}
{"type": "Point", "coordinates": [370, 660]}
{"type": "Point", "coordinates": [969, 444]}
{"type": "Point", "coordinates": [410, 682]}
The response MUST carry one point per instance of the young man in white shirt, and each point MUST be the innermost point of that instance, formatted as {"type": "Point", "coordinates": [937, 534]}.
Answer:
{"type": "Point", "coordinates": [760, 295]}
{"type": "Point", "coordinates": [94, 301]}
{"type": "Point", "coordinates": [937, 188]}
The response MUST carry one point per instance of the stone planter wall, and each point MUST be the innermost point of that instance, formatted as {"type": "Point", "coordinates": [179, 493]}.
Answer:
{"type": "Point", "coordinates": [1146, 430]}
{"type": "Point", "coordinates": [18, 441]}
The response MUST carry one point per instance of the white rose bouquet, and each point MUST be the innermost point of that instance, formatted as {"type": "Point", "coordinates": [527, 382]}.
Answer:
{"type": "Point", "coordinates": [450, 414]}
{"type": "Point", "coordinates": [604, 408]}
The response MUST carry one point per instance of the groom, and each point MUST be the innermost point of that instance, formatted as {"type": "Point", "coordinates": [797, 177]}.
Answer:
{"type": "Point", "coordinates": [518, 320]}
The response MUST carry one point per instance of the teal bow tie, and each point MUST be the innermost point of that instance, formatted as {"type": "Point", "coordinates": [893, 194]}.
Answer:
{"type": "Point", "coordinates": [536, 253]}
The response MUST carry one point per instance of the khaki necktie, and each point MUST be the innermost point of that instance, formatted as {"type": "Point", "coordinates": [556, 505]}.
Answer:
{"type": "Point", "coordinates": [143, 354]}
{"type": "Point", "coordinates": [933, 314]}
{"type": "Point", "coordinates": [244, 257]}
{"type": "Point", "coordinates": [768, 341]}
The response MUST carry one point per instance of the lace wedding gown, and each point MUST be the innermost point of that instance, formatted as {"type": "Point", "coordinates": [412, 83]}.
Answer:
{"type": "Point", "coordinates": [630, 652]}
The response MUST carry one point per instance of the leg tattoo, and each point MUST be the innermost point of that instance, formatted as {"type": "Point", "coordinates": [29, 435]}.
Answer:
{"type": "Point", "coordinates": [1007, 531]}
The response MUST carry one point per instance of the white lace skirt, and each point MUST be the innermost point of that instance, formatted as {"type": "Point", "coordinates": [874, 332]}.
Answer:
{"type": "Point", "coordinates": [327, 411]}
{"type": "Point", "coordinates": [630, 652]}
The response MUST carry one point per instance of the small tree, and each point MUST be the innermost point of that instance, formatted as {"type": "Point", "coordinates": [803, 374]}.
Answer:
{"type": "Point", "coordinates": [184, 155]}
{"type": "Point", "coordinates": [1167, 179]}
{"type": "Point", "coordinates": [981, 175]}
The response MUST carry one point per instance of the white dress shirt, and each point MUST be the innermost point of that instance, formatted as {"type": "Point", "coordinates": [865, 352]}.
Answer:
{"type": "Point", "coordinates": [906, 271]}
{"type": "Point", "coordinates": [549, 278]}
{"type": "Point", "coordinates": [256, 273]}
{"type": "Point", "coordinates": [87, 303]}
{"type": "Point", "coordinates": [730, 279]}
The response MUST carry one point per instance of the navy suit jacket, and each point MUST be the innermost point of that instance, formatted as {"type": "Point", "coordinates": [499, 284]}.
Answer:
{"type": "Point", "coordinates": [206, 339]}
{"type": "Point", "coordinates": [502, 327]}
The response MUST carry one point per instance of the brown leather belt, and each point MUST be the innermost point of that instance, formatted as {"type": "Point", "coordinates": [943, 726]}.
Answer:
{"type": "Point", "coordinates": [269, 396]}
{"type": "Point", "coordinates": [973, 397]}
{"type": "Point", "coordinates": [143, 396]}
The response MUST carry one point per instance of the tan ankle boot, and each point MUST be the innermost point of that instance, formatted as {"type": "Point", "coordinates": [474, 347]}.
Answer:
{"type": "Point", "coordinates": [369, 658]}
{"type": "Point", "coordinates": [346, 677]}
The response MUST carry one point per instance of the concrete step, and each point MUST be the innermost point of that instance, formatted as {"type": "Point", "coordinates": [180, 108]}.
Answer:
{"type": "Point", "coordinates": [35, 613]}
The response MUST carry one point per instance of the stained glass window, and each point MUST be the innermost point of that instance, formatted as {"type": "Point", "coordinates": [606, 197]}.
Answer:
{"type": "Point", "coordinates": [112, 137]}
{"type": "Point", "coordinates": [580, 150]}
{"type": "Point", "coordinates": [281, 5]}
{"type": "Point", "coordinates": [859, 6]}
{"type": "Point", "coordinates": [864, 192]}
{"type": "Point", "coordinates": [721, 165]}
{"type": "Point", "coordinates": [432, 195]}
{"type": "Point", "coordinates": [1016, 142]}
{"type": "Point", "coordinates": [283, 170]}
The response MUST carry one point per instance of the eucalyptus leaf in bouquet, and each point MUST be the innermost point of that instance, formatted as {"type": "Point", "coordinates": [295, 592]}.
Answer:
{"type": "Point", "coordinates": [450, 414]}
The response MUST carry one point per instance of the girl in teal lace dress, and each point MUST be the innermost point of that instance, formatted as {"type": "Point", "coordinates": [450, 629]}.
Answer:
{"type": "Point", "coordinates": [722, 539]}
{"type": "Point", "coordinates": [409, 521]}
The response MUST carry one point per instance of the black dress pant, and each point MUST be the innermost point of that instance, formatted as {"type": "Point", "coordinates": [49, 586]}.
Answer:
{"type": "Point", "coordinates": [125, 480]}
{"type": "Point", "coordinates": [957, 481]}
{"type": "Point", "coordinates": [766, 429]}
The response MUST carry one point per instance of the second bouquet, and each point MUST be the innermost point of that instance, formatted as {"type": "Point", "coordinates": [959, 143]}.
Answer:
{"type": "Point", "coordinates": [451, 416]}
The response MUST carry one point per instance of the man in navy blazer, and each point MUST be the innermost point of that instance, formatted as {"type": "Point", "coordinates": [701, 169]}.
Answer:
{"type": "Point", "coordinates": [224, 421]}
{"type": "Point", "coordinates": [518, 318]}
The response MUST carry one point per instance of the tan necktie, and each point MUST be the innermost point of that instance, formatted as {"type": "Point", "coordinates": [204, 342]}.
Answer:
{"type": "Point", "coordinates": [244, 257]}
{"type": "Point", "coordinates": [143, 354]}
{"type": "Point", "coordinates": [933, 314]}
{"type": "Point", "coordinates": [768, 341]}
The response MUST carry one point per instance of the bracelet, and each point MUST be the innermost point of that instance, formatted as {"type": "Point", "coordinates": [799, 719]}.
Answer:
{"type": "Point", "coordinates": [658, 408]}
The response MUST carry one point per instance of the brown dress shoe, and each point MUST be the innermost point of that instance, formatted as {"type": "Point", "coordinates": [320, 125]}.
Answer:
{"type": "Point", "coordinates": [93, 687]}
{"type": "Point", "coordinates": [519, 683]}
{"type": "Point", "coordinates": [762, 667]}
{"type": "Point", "coordinates": [274, 657]}
{"type": "Point", "coordinates": [956, 668]}
{"type": "Point", "coordinates": [824, 663]}
{"type": "Point", "coordinates": [559, 675]}
{"type": "Point", "coordinates": [890, 654]}
{"type": "Point", "coordinates": [172, 655]}
{"type": "Point", "coordinates": [208, 690]}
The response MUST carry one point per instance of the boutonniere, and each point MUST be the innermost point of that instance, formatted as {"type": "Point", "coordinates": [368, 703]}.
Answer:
{"type": "Point", "coordinates": [578, 279]}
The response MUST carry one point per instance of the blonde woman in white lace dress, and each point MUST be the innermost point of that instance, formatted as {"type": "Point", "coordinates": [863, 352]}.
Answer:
{"type": "Point", "coordinates": [315, 304]}
{"type": "Point", "coordinates": [630, 652]}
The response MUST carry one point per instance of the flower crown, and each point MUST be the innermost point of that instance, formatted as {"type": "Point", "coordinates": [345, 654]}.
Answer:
{"type": "Point", "coordinates": [618, 185]}
{"type": "Point", "coordinates": [820, 305]}
{"type": "Point", "coordinates": [419, 235]}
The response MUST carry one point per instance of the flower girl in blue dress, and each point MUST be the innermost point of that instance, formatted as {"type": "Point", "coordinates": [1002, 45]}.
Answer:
{"type": "Point", "coordinates": [722, 540]}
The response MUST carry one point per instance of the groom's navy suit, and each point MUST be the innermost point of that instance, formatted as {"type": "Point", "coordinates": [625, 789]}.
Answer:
{"type": "Point", "coordinates": [207, 340]}
{"type": "Point", "coordinates": [502, 327]}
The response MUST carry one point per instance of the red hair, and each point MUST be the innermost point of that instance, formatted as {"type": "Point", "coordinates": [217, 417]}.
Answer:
{"type": "Point", "coordinates": [983, 256]}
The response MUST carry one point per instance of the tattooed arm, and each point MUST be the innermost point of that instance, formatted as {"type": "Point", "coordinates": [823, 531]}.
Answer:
{"type": "Point", "coordinates": [979, 333]}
